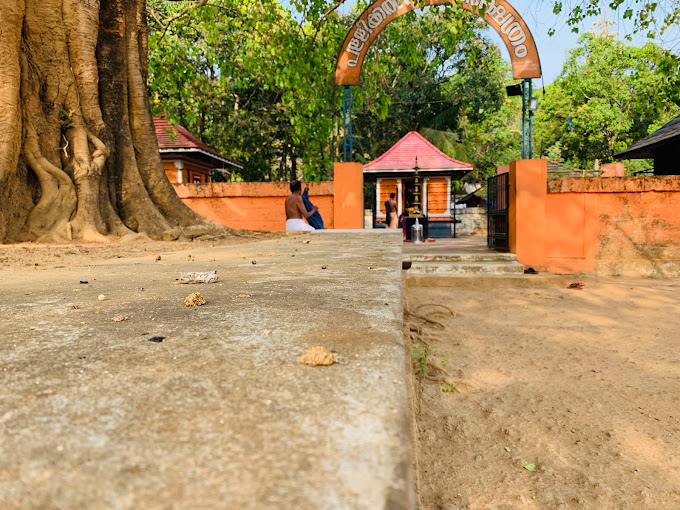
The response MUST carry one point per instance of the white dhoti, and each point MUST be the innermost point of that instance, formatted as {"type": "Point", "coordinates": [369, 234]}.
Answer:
{"type": "Point", "coordinates": [298, 224]}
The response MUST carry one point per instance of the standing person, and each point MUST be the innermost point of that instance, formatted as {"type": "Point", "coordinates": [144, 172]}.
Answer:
{"type": "Point", "coordinates": [315, 219]}
{"type": "Point", "coordinates": [295, 209]}
{"type": "Point", "coordinates": [391, 212]}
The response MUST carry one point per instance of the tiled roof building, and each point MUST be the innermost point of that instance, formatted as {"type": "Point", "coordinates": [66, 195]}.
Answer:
{"type": "Point", "coordinates": [186, 159]}
{"type": "Point", "coordinates": [394, 172]}
{"type": "Point", "coordinates": [662, 146]}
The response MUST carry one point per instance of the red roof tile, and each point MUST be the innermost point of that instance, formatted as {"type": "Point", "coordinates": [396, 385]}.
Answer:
{"type": "Point", "coordinates": [178, 137]}
{"type": "Point", "coordinates": [402, 156]}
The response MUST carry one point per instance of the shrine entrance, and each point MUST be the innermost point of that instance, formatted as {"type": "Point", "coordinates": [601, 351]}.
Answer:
{"type": "Point", "coordinates": [499, 14]}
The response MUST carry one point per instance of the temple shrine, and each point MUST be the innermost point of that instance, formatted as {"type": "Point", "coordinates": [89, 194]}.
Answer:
{"type": "Point", "coordinates": [413, 163]}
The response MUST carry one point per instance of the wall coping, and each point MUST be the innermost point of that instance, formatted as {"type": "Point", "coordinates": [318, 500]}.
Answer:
{"type": "Point", "coordinates": [247, 189]}
{"type": "Point", "coordinates": [614, 184]}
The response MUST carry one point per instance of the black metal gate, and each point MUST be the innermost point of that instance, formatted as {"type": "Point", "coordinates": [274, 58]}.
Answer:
{"type": "Point", "coordinates": [497, 199]}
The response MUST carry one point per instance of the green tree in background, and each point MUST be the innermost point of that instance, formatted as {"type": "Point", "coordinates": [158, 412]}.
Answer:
{"type": "Point", "coordinates": [613, 93]}
{"type": "Point", "coordinates": [256, 83]}
{"type": "Point", "coordinates": [249, 80]}
{"type": "Point", "coordinates": [650, 17]}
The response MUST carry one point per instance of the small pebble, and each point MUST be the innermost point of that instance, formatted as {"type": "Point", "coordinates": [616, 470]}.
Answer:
{"type": "Point", "coordinates": [101, 297]}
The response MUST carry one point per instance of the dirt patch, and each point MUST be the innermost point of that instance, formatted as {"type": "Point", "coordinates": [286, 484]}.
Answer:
{"type": "Point", "coordinates": [50, 256]}
{"type": "Point", "coordinates": [581, 383]}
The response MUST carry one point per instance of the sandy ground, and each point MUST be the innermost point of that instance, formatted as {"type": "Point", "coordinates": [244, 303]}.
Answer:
{"type": "Point", "coordinates": [581, 383]}
{"type": "Point", "coordinates": [50, 256]}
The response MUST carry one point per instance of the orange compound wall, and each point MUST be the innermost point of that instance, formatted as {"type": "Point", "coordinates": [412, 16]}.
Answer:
{"type": "Point", "coordinates": [252, 205]}
{"type": "Point", "coordinates": [613, 226]}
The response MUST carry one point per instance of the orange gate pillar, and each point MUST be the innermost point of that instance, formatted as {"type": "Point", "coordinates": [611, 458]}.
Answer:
{"type": "Point", "coordinates": [526, 214]}
{"type": "Point", "coordinates": [348, 195]}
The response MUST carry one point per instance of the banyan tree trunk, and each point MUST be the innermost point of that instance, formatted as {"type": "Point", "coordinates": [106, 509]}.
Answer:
{"type": "Point", "coordinates": [78, 152]}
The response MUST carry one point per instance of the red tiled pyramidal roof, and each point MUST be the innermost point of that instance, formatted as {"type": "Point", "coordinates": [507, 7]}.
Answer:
{"type": "Point", "coordinates": [402, 156]}
{"type": "Point", "coordinates": [178, 138]}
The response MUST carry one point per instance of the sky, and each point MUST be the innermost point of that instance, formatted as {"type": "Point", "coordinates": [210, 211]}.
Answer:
{"type": "Point", "coordinates": [553, 50]}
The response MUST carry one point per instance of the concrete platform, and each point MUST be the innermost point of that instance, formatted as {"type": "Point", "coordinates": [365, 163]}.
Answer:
{"type": "Point", "coordinates": [220, 414]}
{"type": "Point", "coordinates": [465, 244]}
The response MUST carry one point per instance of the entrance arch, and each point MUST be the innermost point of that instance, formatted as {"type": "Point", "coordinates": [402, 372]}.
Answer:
{"type": "Point", "coordinates": [499, 14]}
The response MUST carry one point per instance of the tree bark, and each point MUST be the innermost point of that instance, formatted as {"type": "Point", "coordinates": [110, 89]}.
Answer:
{"type": "Point", "coordinates": [78, 152]}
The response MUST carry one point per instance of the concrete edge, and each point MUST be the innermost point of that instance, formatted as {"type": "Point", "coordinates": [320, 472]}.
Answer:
{"type": "Point", "coordinates": [487, 282]}
{"type": "Point", "coordinates": [411, 393]}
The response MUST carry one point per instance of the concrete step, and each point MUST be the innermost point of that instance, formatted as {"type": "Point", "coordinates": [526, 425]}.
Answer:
{"type": "Point", "coordinates": [461, 257]}
{"type": "Point", "coordinates": [465, 268]}
{"type": "Point", "coordinates": [485, 281]}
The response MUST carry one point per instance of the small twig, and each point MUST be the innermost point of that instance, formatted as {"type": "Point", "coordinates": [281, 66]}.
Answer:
{"type": "Point", "coordinates": [201, 3]}
{"type": "Point", "coordinates": [326, 14]}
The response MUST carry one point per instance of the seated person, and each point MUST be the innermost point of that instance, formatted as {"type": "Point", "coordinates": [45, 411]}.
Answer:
{"type": "Point", "coordinates": [296, 211]}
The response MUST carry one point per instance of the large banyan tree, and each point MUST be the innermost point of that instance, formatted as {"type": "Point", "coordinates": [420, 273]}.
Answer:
{"type": "Point", "coordinates": [78, 153]}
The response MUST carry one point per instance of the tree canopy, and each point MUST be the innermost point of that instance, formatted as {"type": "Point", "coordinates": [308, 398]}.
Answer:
{"type": "Point", "coordinates": [256, 82]}
{"type": "Point", "coordinates": [651, 18]}
{"type": "Point", "coordinates": [609, 95]}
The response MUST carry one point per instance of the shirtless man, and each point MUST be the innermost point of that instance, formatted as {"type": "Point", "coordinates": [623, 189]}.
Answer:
{"type": "Point", "coordinates": [295, 209]}
{"type": "Point", "coordinates": [391, 212]}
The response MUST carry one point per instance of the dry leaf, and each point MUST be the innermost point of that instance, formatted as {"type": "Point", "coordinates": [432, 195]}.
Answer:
{"type": "Point", "coordinates": [118, 318]}
{"type": "Point", "coordinates": [194, 299]}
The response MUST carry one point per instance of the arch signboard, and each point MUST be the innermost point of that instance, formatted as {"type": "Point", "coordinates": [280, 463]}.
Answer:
{"type": "Point", "coordinates": [498, 13]}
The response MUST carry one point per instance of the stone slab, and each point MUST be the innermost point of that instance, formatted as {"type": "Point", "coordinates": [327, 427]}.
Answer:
{"type": "Point", "coordinates": [220, 414]}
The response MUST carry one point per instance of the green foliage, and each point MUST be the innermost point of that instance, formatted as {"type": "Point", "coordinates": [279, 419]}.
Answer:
{"type": "Point", "coordinates": [66, 120]}
{"type": "Point", "coordinates": [250, 81]}
{"type": "Point", "coordinates": [449, 388]}
{"type": "Point", "coordinates": [255, 81]}
{"type": "Point", "coordinates": [615, 95]}
{"type": "Point", "coordinates": [651, 18]}
{"type": "Point", "coordinates": [421, 353]}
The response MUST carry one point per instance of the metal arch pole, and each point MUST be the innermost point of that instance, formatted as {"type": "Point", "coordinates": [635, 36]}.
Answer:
{"type": "Point", "coordinates": [524, 117]}
{"type": "Point", "coordinates": [531, 122]}
{"type": "Point", "coordinates": [347, 122]}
